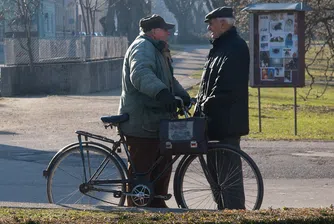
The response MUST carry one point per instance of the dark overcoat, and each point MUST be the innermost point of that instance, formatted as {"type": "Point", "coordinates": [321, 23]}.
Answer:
{"type": "Point", "coordinates": [223, 93]}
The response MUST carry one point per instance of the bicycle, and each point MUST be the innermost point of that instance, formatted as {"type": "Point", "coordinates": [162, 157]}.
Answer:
{"type": "Point", "coordinates": [101, 175]}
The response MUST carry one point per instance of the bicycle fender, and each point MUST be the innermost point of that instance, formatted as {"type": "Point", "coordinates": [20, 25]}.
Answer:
{"type": "Point", "coordinates": [46, 171]}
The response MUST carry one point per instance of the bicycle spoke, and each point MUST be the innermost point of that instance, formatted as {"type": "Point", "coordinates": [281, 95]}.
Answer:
{"type": "Point", "coordinates": [198, 197]}
{"type": "Point", "coordinates": [201, 183]}
{"type": "Point", "coordinates": [89, 167]}
{"type": "Point", "coordinates": [202, 202]}
{"type": "Point", "coordinates": [72, 175]}
{"type": "Point", "coordinates": [79, 199]}
{"type": "Point", "coordinates": [68, 196]}
{"type": "Point", "coordinates": [194, 189]}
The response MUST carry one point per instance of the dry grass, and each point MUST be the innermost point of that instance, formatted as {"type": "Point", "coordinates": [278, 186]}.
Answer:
{"type": "Point", "coordinates": [277, 216]}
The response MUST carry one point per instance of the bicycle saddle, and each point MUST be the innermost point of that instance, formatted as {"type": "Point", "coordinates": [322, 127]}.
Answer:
{"type": "Point", "coordinates": [115, 119]}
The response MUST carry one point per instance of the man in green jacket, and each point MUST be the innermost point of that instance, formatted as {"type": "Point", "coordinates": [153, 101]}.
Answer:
{"type": "Point", "coordinates": [148, 95]}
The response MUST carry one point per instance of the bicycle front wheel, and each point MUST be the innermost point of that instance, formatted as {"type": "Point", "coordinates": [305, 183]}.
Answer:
{"type": "Point", "coordinates": [69, 183]}
{"type": "Point", "coordinates": [223, 178]}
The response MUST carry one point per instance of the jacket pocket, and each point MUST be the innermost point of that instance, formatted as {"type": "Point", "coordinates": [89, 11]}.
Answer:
{"type": "Point", "coordinates": [151, 120]}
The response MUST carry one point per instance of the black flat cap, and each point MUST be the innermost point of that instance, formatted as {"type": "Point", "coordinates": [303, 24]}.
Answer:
{"type": "Point", "coordinates": [225, 12]}
{"type": "Point", "coordinates": [154, 21]}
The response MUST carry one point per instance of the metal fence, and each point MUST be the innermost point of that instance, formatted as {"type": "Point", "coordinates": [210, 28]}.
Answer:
{"type": "Point", "coordinates": [74, 49]}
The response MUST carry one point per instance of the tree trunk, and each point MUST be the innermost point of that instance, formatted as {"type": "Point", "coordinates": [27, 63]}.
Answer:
{"type": "Point", "coordinates": [138, 10]}
{"type": "Point", "coordinates": [29, 43]}
{"type": "Point", "coordinates": [82, 6]}
{"type": "Point", "coordinates": [88, 15]}
{"type": "Point", "coordinates": [183, 35]}
{"type": "Point", "coordinates": [92, 18]}
{"type": "Point", "coordinates": [218, 3]}
{"type": "Point", "coordinates": [109, 20]}
{"type": "Point", "coordinates": [123, 18]}
{"type": "Point", "coordinates": [209, 5]}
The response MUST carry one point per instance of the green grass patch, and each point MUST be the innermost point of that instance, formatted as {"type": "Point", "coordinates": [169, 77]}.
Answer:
{"type": "Point", "coordinates": [315, 117]}
{"type": "Point", "coordinates": [270, 216]}
{"type": "Point", "coordinates": [197, 75]}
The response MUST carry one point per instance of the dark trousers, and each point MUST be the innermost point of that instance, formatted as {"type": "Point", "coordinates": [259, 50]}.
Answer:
{"type": "Point", "coordinates": [225, 168]}
{"type": "Point", "coordinates": [144, 152]}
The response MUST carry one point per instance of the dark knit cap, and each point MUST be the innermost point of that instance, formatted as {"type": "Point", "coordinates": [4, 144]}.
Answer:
{"type": "Point", "coordinates": [222, 12]}
{"type": "Point", "coordinates": [154, 21]}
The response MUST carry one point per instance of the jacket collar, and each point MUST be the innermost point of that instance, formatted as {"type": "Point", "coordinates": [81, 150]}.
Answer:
{"type": "Point", "coordinates": [227, 35]}
{"type": "Point", "coordinates": [159, 44]}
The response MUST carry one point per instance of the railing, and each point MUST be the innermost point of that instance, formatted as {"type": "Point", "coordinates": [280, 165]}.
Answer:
{"type": "Point", "coordinates": [62, 50]}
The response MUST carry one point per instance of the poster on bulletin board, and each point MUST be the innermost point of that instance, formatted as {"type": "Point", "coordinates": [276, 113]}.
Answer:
{"type": "Point", "coordinates": [279, 53]}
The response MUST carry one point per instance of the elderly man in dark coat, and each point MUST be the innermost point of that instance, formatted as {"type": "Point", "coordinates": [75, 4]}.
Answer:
{"type": "Point", "coordinates": [223, 99]}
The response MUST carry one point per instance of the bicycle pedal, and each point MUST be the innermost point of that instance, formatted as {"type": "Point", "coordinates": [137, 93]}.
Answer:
{"type": "Point", "coordinates": [164, 197]}
{"type": "Point", "coordinates": [118, 194]}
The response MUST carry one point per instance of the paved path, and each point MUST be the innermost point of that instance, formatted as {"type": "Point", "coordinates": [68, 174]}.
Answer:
{"type": "Point", "coordinates": [32, 129]}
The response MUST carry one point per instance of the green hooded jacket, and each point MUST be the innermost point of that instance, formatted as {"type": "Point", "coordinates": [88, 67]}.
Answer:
{"type": "Point", "coordinates": [146, 71]}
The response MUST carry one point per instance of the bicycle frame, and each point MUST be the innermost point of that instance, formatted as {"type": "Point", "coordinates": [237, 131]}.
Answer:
{"type": "Point", "coordinates": [116, 145]}
{"type": "Point", "coordinates": [122, 141]}
{"type": "Point", "coordinates": [91, 181]}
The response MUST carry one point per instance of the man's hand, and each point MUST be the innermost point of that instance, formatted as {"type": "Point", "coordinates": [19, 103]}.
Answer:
{"type": "Point", "coordinates": [168, 100]}
{"type": "Point", "coordinates": [193, 100]}
{"type": "Point", "coordinates": [186, 101]}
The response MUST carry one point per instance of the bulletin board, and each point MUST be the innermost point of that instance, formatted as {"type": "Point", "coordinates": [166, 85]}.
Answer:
{"type": "Point", "coordinates": [278, 50]}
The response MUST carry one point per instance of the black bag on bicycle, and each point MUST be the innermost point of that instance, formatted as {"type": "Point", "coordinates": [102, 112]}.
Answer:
{"type": "Point", "coordinates": [183, 136]}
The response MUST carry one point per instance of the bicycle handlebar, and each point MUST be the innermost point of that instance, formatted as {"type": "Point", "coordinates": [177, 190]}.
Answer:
{"type": "Point", "coordinates": [183, 108]}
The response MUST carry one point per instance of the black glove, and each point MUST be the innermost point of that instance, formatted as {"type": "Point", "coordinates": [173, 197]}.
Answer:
{"type": "Point", "coordinates": [168, 100]}
{"type": "Point", "coordinates": [186, 101]}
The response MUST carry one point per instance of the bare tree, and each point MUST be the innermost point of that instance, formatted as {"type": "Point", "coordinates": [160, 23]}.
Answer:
{"type": "Point", "coordinates": [20, 15]}
{"type": "Point", "coordinates": [108, 21]}
{"type": "Point", "coordinates": [128, 14]}
{"type": "Point", "coordinates": [212, 4]}
{"type": "Point", "coordinates": [183, 12]}
{"type": "Point", "coordinates": [319, 38]}
{"type": "Point", "coordinates": [89, 10]}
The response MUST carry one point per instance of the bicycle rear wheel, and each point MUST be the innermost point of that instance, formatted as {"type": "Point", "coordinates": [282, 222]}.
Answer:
{"type": "Point", "coordinates": [195, 188]}
{"type": "Point", "coordinates": [68, 184]}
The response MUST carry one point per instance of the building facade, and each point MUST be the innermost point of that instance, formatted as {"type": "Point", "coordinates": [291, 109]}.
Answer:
{"type": "Point", "coordinates": [67, 13]}
{"type": "Point", "coordinates": [60, 18]}
{"type": "Point", "coordinates": [47, 19]}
